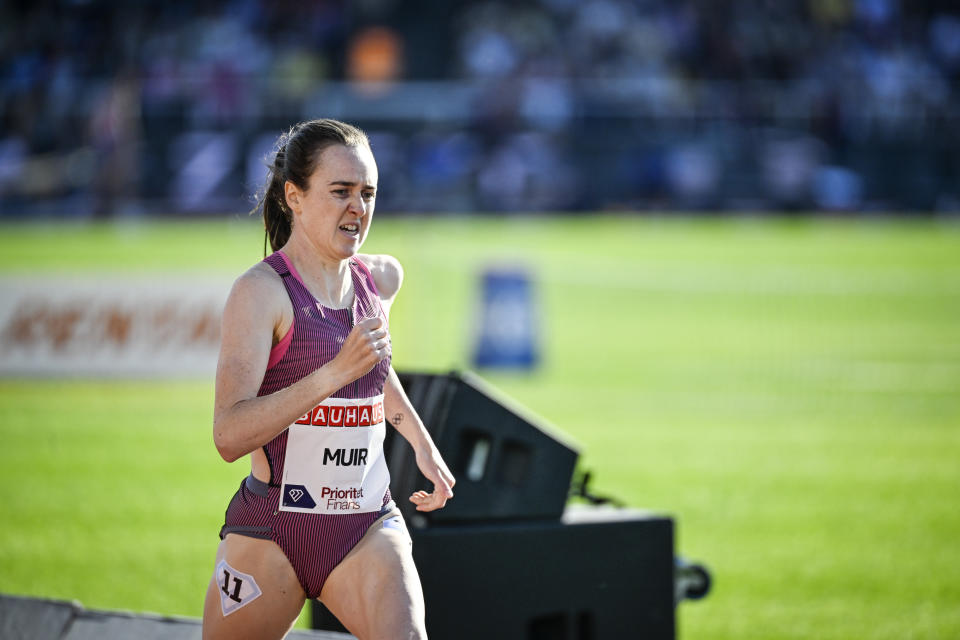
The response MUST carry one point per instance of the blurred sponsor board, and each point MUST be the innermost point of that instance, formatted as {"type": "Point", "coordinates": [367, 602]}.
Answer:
{"type": "Point", "coordinates": [507, 327]}
{"type": "Point", "coordinates": [110, 326]}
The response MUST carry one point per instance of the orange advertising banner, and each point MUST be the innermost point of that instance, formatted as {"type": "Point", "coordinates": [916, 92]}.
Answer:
{"type": "Point", "coordinates": [168, 327]}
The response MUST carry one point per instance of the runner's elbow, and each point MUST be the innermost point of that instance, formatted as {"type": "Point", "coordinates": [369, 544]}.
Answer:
{"type": "Point", "coordinates": [228, 455]}
{"type": "Point", "coordinates": [227, 449]}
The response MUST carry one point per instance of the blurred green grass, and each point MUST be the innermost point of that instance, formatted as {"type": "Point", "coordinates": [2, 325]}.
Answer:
{"type": "Point", "coordinates": [787, 389]}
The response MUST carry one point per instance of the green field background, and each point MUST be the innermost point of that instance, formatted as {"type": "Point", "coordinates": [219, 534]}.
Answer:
{"type": "Point", "coordinates": [787, 389]}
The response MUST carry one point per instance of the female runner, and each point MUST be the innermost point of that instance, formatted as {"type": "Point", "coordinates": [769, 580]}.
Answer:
{"type": "Point", "coordinates": [303, 385]}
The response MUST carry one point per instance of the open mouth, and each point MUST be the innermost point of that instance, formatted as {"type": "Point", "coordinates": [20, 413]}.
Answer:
{"type": "Point", "coordinates": [353, 228]}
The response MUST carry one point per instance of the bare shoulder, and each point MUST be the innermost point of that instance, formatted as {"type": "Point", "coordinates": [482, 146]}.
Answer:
{"type": "Point", "coordinates": [257, 293]}
{"type": "Point", "coordinates": [259, 282]}
{"type": "Point", "coordinates": [387, 273]}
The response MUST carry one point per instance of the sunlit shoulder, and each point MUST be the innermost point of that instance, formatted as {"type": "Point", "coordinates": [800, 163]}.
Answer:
{"type": "Point", "coordinates": [259, 280]}
{"type": "Point", "coordinates": [257, 295]}
{"type": "Point", "coordinates": [387, 273]}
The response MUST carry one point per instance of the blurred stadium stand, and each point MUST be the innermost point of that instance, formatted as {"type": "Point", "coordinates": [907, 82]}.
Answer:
{"type": "Point", "coordinates": [110, 108]}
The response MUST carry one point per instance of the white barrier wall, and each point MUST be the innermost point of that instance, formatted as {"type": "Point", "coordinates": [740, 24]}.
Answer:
{"type": "Point", "coordinates": [23, 618]}
{"type": "Point", "coordinates": [110, 326]}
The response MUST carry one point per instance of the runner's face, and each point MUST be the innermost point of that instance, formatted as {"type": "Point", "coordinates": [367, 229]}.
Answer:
{"type": "Point", "coordinates": [335, 212]}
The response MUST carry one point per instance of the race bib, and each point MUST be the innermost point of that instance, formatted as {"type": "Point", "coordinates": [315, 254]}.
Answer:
{"type": "Point", "coordinates": [334, 461]}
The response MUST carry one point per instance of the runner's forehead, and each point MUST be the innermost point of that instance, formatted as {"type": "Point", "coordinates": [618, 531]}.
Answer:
{"type": "Point", "coordinates": [347, 166]}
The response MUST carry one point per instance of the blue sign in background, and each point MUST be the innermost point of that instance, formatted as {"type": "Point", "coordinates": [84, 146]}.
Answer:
{"type": "Point", "coordinates": [506, 336]}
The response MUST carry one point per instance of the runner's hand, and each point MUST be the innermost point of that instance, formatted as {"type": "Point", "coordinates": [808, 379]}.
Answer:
{"type": "Point", "coordinates": [367, 344]}
{"type": "Point", "coordinates": [435, 470]}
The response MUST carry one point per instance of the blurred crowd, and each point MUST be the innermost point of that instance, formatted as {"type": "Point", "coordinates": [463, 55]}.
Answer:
{"type": "Point", "coordinates": [118, 108]}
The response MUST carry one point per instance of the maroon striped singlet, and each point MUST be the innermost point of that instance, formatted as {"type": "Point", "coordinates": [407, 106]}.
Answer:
{"type": "Point", "coordinates": [314, 543]}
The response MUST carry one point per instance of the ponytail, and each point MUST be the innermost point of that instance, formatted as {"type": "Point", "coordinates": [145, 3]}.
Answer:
{"type": "Point", "coordinates": [277, 217]}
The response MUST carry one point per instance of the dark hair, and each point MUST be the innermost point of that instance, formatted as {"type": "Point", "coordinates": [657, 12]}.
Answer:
{"type": "Point", "coordinates": [297, 153]}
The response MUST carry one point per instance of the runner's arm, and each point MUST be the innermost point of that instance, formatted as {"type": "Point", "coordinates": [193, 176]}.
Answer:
{"type": "Point", "coordinates": [404, 418]}
{"type": "Point", "coordinates": [388, 276]}
{"type": "Point", "coordinates": [242, 421]}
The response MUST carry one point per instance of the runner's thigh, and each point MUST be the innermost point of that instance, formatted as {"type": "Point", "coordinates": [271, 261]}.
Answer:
{"type": "Point", "coordinates": [375, 591]}
{"type": "Point", "coordinates": [254, 592]}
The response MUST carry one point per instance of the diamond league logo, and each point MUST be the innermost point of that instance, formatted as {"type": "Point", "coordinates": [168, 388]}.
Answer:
{"type": "Point", "coordinates": [296, 495]}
